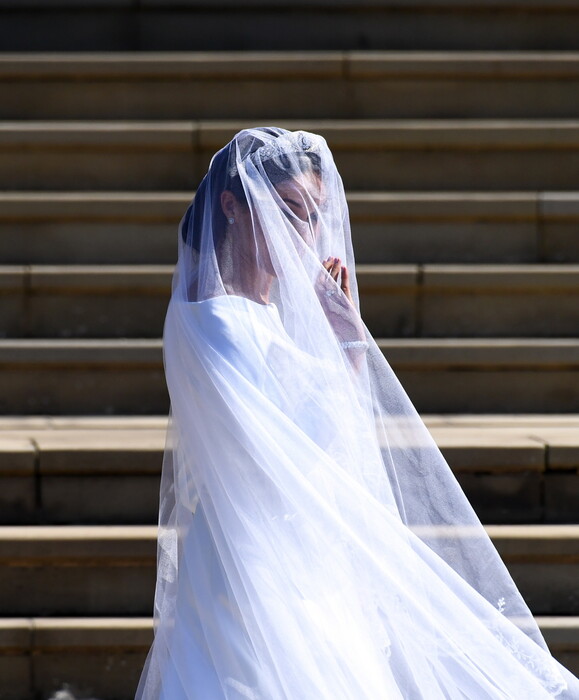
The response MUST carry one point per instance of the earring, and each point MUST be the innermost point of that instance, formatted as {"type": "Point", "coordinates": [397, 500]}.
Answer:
{"type": "Point", "coordinates": [230, 220]}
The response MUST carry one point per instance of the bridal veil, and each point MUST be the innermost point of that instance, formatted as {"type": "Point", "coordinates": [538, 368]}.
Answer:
{"type": "Point", "coordinates": [313, 542]}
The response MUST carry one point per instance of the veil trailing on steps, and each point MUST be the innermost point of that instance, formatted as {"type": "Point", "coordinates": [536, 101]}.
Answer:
{"type": "Point", "coordinates": [313, 542]}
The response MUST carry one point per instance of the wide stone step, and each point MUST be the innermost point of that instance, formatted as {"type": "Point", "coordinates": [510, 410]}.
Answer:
{"type": "Point", "coordinates": [106, 470]}
{"type": "Point", "coordinates": [498, 375]}
{"type": "Point", "coordinates": [103, 657]}
{"type": "Point", "coordinates": [440, 375]}
{"type": "Point", "coordinates": [460, 154]}
{"type": "Point", "coordinates": [296, 85]}
{"type": "Point", "coordinates": [100, 658]}
{"type": "Point", "coordinates": [470, 301]}
{"type": "Point", "coordinates": [110, 570]}
{"type": "Point", "coordinates": [34, 25]}
{"type": "Point", "coordinates": [416, 227]}
{"type": "Point", "coordinates": [396, 300]}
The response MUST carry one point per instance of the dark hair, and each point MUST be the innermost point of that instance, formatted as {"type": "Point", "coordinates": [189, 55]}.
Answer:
{"type": "Point", "coordinates": [219, 178]}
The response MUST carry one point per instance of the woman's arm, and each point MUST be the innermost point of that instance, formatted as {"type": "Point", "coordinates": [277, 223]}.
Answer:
{"type": "Point", "coordinates": [340, 310]}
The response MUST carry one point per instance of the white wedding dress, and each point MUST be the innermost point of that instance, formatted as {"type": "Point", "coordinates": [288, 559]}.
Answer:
{"type": "Point", "coordinates": [313, 542]}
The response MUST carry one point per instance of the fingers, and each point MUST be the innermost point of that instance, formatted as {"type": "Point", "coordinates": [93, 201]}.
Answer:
{"type": "Point", "coordinates": [345, 283]}
{"type": "Point", "coordinates": [328, 263]}
{"type": "Point", "coordinates": [345, 278]}
{"type": "Point", "coordinates": [333, 266]}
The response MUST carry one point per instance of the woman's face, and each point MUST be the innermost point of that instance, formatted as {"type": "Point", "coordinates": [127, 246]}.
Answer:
{"type": "Point", "coordinates": [302, 196]}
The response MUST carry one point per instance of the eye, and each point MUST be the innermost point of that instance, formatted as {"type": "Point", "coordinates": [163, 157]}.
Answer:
{"type": "Point", "coordinates": [293, 217]}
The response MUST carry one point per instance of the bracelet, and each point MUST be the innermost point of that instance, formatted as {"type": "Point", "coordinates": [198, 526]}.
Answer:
{"type": "Point", "coordinates": [354, 344]}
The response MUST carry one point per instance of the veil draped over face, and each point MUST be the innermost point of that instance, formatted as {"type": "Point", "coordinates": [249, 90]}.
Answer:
{"type": "Point", "coordinates": [313, 542]}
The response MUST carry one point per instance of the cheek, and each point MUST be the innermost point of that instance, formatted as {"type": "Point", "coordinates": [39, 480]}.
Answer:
{"type": "Point", "coordinates": [307, 232]}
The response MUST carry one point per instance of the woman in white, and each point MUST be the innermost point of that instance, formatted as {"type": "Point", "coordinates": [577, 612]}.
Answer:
{"type": "Point", "coordinates": [313, 542]}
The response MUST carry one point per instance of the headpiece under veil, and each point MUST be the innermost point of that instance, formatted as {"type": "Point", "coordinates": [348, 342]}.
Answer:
{"type": "Point", "coordinates": [313, 542]}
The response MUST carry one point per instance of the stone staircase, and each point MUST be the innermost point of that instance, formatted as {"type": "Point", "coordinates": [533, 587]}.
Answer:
{"type": "Point", "coordinates": [455, 126]}
{"type": "Point", "coordinates": [169, 25]}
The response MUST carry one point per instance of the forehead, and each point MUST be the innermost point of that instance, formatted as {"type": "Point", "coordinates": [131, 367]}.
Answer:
{"type": "Point", "coordinates": [306, 187]}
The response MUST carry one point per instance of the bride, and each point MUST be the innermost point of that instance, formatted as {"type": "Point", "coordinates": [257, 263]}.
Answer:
{"type": "Point", "coordinates": [313, 542]}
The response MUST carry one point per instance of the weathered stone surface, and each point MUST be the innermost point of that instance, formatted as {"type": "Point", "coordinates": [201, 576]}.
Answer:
{"type": "Point", "coordinates": [15, 671]}
{"type": "Point", "coordinates": [389, 227]}
{"type": "Point", "coordinates": [380, 154]}
{"type": "Point", "coordinates": [409, 240]}
{"type": "Point", "coordinates": [17, 479]}
{"type": "Point", "coordinates": [434, 168]}
{"type": "Point", "coordinates": [17, 455]}
{"type": "Point", "coordinates": [559, 212]}
{"type": "Point", "coordinates": [544, 564]}
{"type": "Point", "coordinates": [561, 241]}
{"type": "Point", "coordinates": [490, 449]}
{"type": "Point", "coordinates": [548, 588]}
{"type": "Point", "coordinates": [536, 424]}
{"type": "Point", "coordinates": [466, 159]}
{"type": "Point", "coordinates": [563, 451]}
{"type": "Point", "coordinates": [15, 675]}
{"type": "Point", "coordinates": [71, 571]}
{"type": "Point", "coordinates": [42, 545]}
{"type": "Point", "coordinates": [114, 451]}
{"type": "Point", "coordinates": [562, 637]}
{"type": "Point", "coordinates": [100, 658]}
{"type": "Point", "coordinates": [562, 497]}
{"type": "Point", "coordinates": [285, 85]}
{"type": "Point", "coordinates": [129, 634]}
{"type": "Point", "coordinates": [89, 368]}
{"type": "Point", "coordinates": [106, 469]}
{"type": "Point", "coordinates": [98, 169]}
{"type": "Point", "coordinates": [447, 375]}
{"type": "Point", "coordinates": [18, 499]}
{"type": "Point", "coordinates": [104, 657]}
{"type": "Point", "coordinates": [506, 498]}
{"type": "Point", "coordinates": [461, 390]}
{"type": "Point", "coordinates": [99, 500]}
{"type": "Point", "coordinates": [532, 301]}
{"type": "Point", "coordinates": [388, 299]}
{"type": "Point", "coordinates": [79, 590]}
{"type": "Point", "coordinates": [111, 675]}
{"type": "Point", "coordinates": [117, 25]}
{"type": "Point", "coordinates": [396, 300]}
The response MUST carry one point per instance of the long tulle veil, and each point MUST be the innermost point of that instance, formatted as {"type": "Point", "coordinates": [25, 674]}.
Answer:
{"type": "Point", "coordinates": [313, 542]}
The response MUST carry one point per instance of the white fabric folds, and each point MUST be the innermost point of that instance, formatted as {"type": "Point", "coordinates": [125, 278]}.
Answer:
{"type": "Point", "coordinates": [313, 542]}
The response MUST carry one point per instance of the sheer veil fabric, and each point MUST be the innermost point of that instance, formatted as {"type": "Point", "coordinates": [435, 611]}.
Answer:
{"type": "Point", "coordinates": [313, 542]}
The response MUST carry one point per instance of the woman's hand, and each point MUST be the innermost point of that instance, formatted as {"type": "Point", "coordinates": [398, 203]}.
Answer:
{"type": "Point", "coordinates": [339, 274]}
{"type": "Point", "coordinates": [341, 311]}
{"type": "Point", "coordinates": [339, 308]}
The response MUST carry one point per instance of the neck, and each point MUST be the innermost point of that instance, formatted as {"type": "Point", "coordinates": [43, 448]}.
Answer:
{"type": "Point", "coordinates": [241, 274]}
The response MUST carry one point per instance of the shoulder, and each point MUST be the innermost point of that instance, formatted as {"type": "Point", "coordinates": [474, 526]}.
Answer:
{"type": "Point", "coordinates": [235, 318]}
{"type": "Point", "coordinates": [232, 333]}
